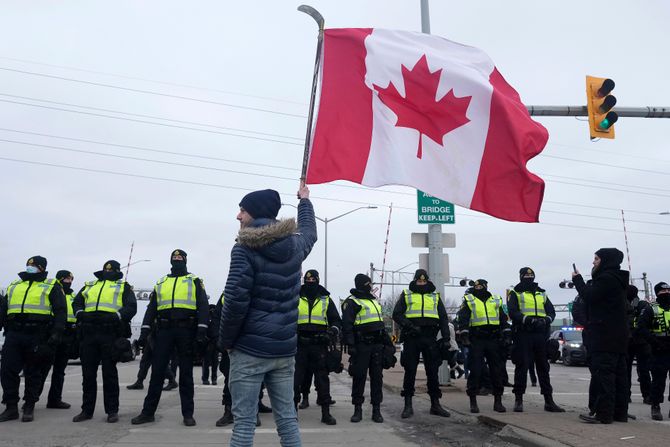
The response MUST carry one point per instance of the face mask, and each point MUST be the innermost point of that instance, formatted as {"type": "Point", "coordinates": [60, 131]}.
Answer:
{"type": "Point", "coordinates": [32, 269]}
{"type": "Point", "coordinates": [179, 265]}
{"type": "Point", "coordinates": [663, 300]}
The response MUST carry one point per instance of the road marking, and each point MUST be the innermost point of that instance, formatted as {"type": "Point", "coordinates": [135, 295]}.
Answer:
{"type": "Point", "coordinates": [363, 428]}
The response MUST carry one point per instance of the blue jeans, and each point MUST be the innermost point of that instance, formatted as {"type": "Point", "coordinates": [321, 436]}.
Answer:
{"type": "Point", "coordinates": [246, 375]}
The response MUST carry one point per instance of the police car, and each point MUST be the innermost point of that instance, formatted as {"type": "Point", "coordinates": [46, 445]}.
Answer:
{"type": "Point", "coordinates": [571, 349]}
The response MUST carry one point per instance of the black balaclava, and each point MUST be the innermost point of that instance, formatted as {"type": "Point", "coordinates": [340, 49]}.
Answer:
{"type": "Point", "coordinates": [662, 291]}
{"type": "Point", "coordinates": [65, 277]}
{"type": "Point", "coordinates": [526, 275]}
{"type": "Point", "coordinates": [178, 267]}
{"type": "Point", "coordinates": [631, 293]}
{"type": "Point", "coordinates": [421, 274]}
{"type": "Point", "coordinates": [480, 292]}
{"type": "Point", "coordinates": [310, 289]}
{"type": "Point", "coordinates": [610, 259]}
{"type": "Point", "coordinates": [111, 271]}
{"type": "Point", "coordinates": [363, 283]}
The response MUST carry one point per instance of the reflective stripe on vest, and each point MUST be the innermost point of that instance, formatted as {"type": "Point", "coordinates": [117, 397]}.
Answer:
{"type": "Point", "coordinates": [421, 306]}
{"type": "Point", "coordinates": [661, 324]}
{"type": "Point", "coordinates": [315, 315]}
{"type": "Point", "coordinates": [176, 292]}
{"type": "Point", "coordinates": [532, 304]}
{"type": "Point", "coordinates": [29, 297]}
{"type": "Point", "coordinates": [481, 313]}
{"type": "Point", "coordinates": [369, 312]}
{"type": "Point", "coordinates": [103, 296]}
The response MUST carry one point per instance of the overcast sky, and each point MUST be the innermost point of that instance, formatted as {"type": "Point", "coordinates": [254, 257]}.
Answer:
{"type": "Point", "coordinates": [76, 75]}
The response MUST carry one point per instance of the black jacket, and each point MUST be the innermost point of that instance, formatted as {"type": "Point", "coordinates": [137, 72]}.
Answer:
{"type": "Point", "coordinates": [201, 312]}
{"type": "Point", "coordinates": [350, 310]}
{"type": "Point", "coordinates": [645, 322]}
{"type": "Point", "coordinates": [606, 301]}
{"type": "Point", "coordinates": [635, 310]}
{"type": "Point", "coordinates": [404, 322]}
{"type": "Point", "coordinates": [463, 317]}
{"type": "Point", "coordinates": [514, 309]}
{"type": "Point", "coordinates": [332, 315]}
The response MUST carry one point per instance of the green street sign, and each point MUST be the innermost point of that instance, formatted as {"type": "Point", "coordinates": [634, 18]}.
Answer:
{"type": "Point", "coordinates": [432, 210]}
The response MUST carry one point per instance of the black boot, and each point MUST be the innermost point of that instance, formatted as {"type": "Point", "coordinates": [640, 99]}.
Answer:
{"type": "Point", "coordinates": [258, 419]}
{"type": "Point", "coordinates": [408, 411]}
{"type": "Point", "coordinates": [437, 409]}
{"type": "Point", "coordinates": [358, 414]}
{"type": "Point", "coordinates": [59, 405]}
{"type": "Point", "coordinates": [305, 402]}
{"type": "Point", "coordinates": [189, 421]}
{"type": "Point", "coordinates": [227, 417]}
{"type": "Point", "coordinates": [171, 385]}
{"type": "Point", "coordinates": [497, 404]}
{"type": "Point", "coordinates": [550, 405]}
{"type": "Point", "coordinates": [138, 385]}
{"type": "Point", "coordinates": [142, 419]}
{"type": "Point", "coordinates": [262, 408]}
{"type": "Point", "coordinates": [28, 410]}
{"type": "Point", "coordinates": [83, 416]}
{"type": "Point", "coordinates": [10, 413]}
{"type": "Point", "coordinates": [377, 414]}
{"type": "Point", "coordinates": [518, 403]}
{"type": "Point", "coordinates": [326, 417]}
{"type": "Point", "coordinates": [656, 413]}
{"type": "Point", "coordinates": [473, 404]}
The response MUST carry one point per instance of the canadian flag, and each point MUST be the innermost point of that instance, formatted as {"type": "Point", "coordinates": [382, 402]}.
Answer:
{"type": "Point", "coordinates": [413, 109]}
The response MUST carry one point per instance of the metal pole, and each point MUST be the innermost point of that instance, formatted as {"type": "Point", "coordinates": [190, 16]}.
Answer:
{"type": "Point", "coordinates": [325, 246]}
{"type": "Point", "coordinates": [646, 286]}
{"type": "Point", "coordinates": [630, 112]}
{"type": "Point", "coordinates": [625, 235]}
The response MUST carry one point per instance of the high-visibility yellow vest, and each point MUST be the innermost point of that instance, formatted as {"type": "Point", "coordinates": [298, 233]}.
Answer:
{"type": "Point", "coordinates": [314, 315]}
{"type": "Point", "coordinates": [661, 324]}
{"type": "Point", "coordinates": [70, 313]}
{"type": "Point", "coordinates": [532, 304]}
{"type": "Point", "coordinates": [103, 295]}
{"type": "Point", "coordinates": [370, 311]}
{"type": "Point", "coordinates": [484, 313]}
{"type": "Point", "coordinates": [30, 297]}
{"type": "Point", "coordinates": [176, 292]}
{"type": "Point", "coordinates": [421, 306]}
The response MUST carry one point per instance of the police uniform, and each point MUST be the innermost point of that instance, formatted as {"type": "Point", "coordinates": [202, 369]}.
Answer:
{"type": "Point", "coordinates": [179, 312]}
{"type": "Point", "coordinates": [482, 324]}
{"type": "Point", "coordinates": [104, 308]}
{"type": "Point", "coordinates": [63, 351]}
{"type": "Point", "coordinates": [654, 325]}
{"type": "Point", "coordinates": [531, 312]}
{"type": "Point", "coordinates": [34, 316]}
{"type": "Point", "coordinates": [638, 348]}
{"type": "Point", "coordinates": [318, 323]}
{"type": "Point", "coordinates": [364, 334]}
{"type": "Point", "coordinates": [420, 313]}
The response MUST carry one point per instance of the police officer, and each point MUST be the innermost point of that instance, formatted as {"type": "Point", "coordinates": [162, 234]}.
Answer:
{"type": "Point", "coordinates": [364, 334]}
{"type": "Point", "coordinates": [33, 314]}
{"type": "Point", "coordinates": [482, 324]}
{"type": "Point", "coordinates": [420, 313]}
{"type": "Point", "coordinates": [531, 312]}
{"type": "Point", "coordinates": [179, 310]}
{"type": "Point", "coordinates": [104, 308]}
{"type": "Point", "coordinates": [654, 325]}
{"type": "Point", "coordinates": [638, 348]}
{"type": "Point", "coordinates": [318, 323]}
{"type": "Point", "coordinates": [62, 351]}
{"type": "Point", "coordinates": [210, 358]}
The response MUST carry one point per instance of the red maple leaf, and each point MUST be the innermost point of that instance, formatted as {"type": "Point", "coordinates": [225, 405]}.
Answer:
{"type": "Point", "coordinates": [419, 110]}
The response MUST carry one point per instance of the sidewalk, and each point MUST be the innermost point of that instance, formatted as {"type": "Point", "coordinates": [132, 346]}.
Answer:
{"type": "Point", "coordinates": [563, 428]}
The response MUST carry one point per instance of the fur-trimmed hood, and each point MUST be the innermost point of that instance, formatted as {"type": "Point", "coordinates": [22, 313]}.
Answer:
{"type": "Point", "coordinates": [269, 237]}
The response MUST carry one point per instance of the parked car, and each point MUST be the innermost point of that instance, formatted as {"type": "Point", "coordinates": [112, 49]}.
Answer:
{"type": "Point", "coordinates": [571, 349]}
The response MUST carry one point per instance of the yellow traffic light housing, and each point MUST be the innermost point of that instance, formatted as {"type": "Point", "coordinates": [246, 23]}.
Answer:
{"type": "Point", "coordinates": [599, 103]}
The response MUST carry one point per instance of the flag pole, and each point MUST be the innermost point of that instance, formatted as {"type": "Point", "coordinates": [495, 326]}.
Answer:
{"type": "Point", "coordinates": [318, 18]}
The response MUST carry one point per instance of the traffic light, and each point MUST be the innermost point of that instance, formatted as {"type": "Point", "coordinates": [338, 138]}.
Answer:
{"type": "Point", "coordinates": [467, 281]}
{"type": "Point", "coordinates": [566, 284]}
{"type": "Point", "coordinates": [599, 104]}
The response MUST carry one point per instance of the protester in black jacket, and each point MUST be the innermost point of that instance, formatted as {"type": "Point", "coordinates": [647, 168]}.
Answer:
{"type": "Point", "coordinates": [608, 335]}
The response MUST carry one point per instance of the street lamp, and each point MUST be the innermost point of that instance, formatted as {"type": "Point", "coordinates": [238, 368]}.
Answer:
{"type": "Point", "coordinates": [325, 222]}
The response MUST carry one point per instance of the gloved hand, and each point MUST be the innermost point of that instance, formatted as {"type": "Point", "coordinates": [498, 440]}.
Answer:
{"type": "Point", "coordinates": [55, 339]}
{"type": "Point", "coordinates": [539, 323]}
{"type": "Point", "coordinates": [201, 336]}
{"type": "Point", "coordinates": [333, 331]}
{"type": "Point", "coordinates": [351, 349]}
{"type": "Point", "coordinates": [144, 335]}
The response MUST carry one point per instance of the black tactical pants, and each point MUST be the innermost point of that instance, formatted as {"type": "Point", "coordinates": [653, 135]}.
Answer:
{"type": "Point", "coordinates": [168, 339]}
{"type": "Point", "coordinates": [367, 359]}
{"type": "Point", "coordinates": [224, 367]}
{"type": "Point", "coordinates": [611, 388]}
{"type": "Point", "coordinates": [409, 359]}
{"type": "Point", "coordinates": [641, 352]}
{"type": "Point", "coordinates": [527, 346]}
{"type": "Point", "coordinates": [97, 348]}
{"type": "Point", "coordinates": [311, 357]}
{"type": "Point", "coordinates": [485, 347]}
{"type": "Point", "coordinates": [19, 353]}
{"type": "Point", "coordinates": [57, 367]}
{"type": "Point", "coordinates": [660, 367]}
